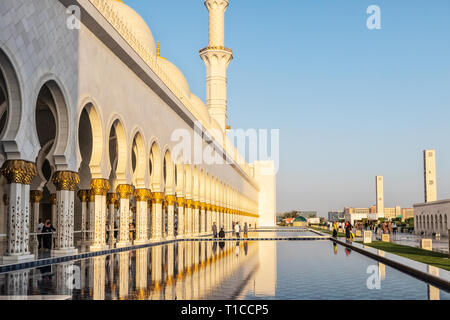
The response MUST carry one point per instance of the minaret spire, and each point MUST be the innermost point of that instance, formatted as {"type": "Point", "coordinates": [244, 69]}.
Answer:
{"type": "Point", "coordinates": [217, 58]}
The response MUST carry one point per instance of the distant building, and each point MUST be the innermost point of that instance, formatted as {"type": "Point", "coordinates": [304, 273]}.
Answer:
{"type": "Point", "coordinates": [336, 215]}
{"type": "Point", "coordinates": [300, 222]}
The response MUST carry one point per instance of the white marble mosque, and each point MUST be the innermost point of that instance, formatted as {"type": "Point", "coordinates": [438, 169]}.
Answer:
{"type": "Point", "coordinates": [89, 112]}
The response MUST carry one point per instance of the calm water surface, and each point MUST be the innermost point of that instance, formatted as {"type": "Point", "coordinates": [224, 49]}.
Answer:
{"type": "Point", "coordinates": [222, 270]}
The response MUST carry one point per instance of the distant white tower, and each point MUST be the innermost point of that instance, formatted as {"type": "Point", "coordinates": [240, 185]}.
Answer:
{"type": "Point", "coordinates": [429, 168]}
{"type": "Point", "coordinates": [217, 58]}
{"type": "Point", "coordinates": [380, 196]}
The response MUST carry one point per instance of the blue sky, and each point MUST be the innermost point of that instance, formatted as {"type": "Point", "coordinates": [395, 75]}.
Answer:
{"type": "Point", "coordinates": [350, 103]}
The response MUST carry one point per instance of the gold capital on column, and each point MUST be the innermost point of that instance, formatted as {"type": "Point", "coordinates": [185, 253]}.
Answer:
{"type": "Point", "coordinates": [181, 202]}
{"type": "Point", "coordinates": [189, 203]}
{"type": "Point", "coordinates": [158, 197]}
{"type": "Point", "coordinates": [125, 191]}
{"type": "Point", "coordinates": [91, 195]}
{"type": "Point", "coordinates": [36, 196]}
{"type": "Point", "coordinates": [19, 171]}
{"type": "Point", "coordinates": [66, 180]}
{"type": "Point", "coordinates": [171, 200]}
{"type": "Point", "coordinates": [99, 187]}
{"type": "Point", "coordinates": [208, 206]}
{"type": "Point", "coordinates": [203, 205]}
{"type": "Point", "coordinates": [111, 198]}
{"type": "Point", "coordinates": [83, 195]}
{"type": "Point", "coordinates": [53, 198]}
{"type": "Point", "coordinates": [196, 204]}
{"type": "Point", "coordinates": [142, 194]}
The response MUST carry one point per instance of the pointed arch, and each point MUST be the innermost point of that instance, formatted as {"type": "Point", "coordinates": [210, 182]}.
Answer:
{"type": "Point", "coordinates": [138, 159]}
{"type": "Point", "coordinates": [155, 167]}
{"type": "Point", "coordinates": [169, 173]}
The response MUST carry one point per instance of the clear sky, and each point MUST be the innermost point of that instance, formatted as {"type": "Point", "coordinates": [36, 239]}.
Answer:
{"type": "Point", "coordinates": [350, 103]}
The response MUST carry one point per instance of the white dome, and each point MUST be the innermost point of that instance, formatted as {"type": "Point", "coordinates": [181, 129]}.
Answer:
{"type": "Point", "coordinates": [136, 24]}
{"type": "Point", "coordinates": [199, 106]}
{"type": "Point", "coordinates": [175, 75]}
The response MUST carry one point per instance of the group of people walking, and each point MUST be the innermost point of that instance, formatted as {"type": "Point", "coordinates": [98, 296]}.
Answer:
{"type": "Point", "coordinates": [236, 230]}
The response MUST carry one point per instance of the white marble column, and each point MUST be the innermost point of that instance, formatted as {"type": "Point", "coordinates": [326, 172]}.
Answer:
{"type": "Point", "coordinates": [99, 189]}
{"type": "Point", "coordinates": [181, 202]}
{"type": "Point", "coordinates": [170, 199]}
{"type": "Point", "coordinates": [90, 230]}
{"type": "Point", "coordinates": [157, 223]}
{"type": "Point", "coordinates": [65, 182]}
{"type": "Point", "coordinates": [18, 174]}
{"type": "Point", "coordinates": [111, 199]}
{"type": "Point", "coordinates": [83, 195]}
{"type": "Point", "coordinates": [196, 216]}
{"type": "Point", "coordinates": [142, 196]}
{"type": "Point", "coordinates": [35, 197]}
{"type": "Point", "coordinates": [125, 192]}
{"type": "Point", "coordinates": [202, 229]}
{"type": "Point", "coordinates": [188, 218]}
{"type": "Point", "coordinates": [209, 219]}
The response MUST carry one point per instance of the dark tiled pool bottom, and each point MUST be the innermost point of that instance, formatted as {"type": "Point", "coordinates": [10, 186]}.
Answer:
{"type": "Point", "coordinates": [222, 270]}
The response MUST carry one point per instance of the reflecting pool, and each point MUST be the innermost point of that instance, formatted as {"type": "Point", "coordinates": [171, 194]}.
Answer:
{"type": "Point", "coordinates": [222, 270]}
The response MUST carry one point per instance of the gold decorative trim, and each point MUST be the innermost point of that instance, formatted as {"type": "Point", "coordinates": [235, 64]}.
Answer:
{"type": "Point", "coordinates": [100, 187]}
{"type": "Point", "coordinates": [36, 196]}
{"type": "Point", "coordinates": [202, 205]}
{"type": "Point", "coordinates": [53, 198]}
{"type": "Point", "coordinates": [189, 203]}
{"type": "Point", "coordinates": [142, 194]}
{"type": "Point", "coordinates": [125, 191]}
{"type": "Point", "coordinates": [91, 196]}
{"type": "Point", "coordinates": [171, 199]}
{"type": "Point", "coordinates": [158, 197]}
{"type": "Point", "coordinates": [18, 171]}
{"type": "Point", "coordinates": [196, 204]}
{"type": "Point", "coordinates": [181, 202]}
{"type": "Point", "coordinates": [66, 180]}
{"type": "Point", "coordinates": [83, 195]}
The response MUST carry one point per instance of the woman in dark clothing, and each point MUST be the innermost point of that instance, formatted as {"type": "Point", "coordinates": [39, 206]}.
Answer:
{"type": "Point", "coordinates": [47, 237]}
{"type": "Point", "coordinates": [221, 233]}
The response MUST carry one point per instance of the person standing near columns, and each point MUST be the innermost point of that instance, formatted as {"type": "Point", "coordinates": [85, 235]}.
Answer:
{"type": "Point", "coordinates": [83, 195]}
{"type": "Point", "coordinates": [142, 196]}
{"type": "Point", "coordinates": [19, 175]}
{"type": "Point", "coordinates": [181, 217]}
{"type": "Point", "coordinates": [99, 189]}
{"type": "Point", "coordinates": [157, 223]}
{"type": "Point", "coordinates": [65, 183]}
{"type": "Point", "coordinates": [125, 192]}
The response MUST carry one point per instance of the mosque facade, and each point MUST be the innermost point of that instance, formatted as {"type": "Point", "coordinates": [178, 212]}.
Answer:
{"type": "Point", "coordinates": [99, 132]}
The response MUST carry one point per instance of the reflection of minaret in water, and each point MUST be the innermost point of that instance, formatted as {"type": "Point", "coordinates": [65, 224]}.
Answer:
{"type": "Point", "coordinates": [217, 58]}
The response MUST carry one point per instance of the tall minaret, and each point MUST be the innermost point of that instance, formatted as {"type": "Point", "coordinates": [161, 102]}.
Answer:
{"type": "Point", "coordinates": [217, 58]}
{"type": "Point", "coordinates": [429, 168]}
